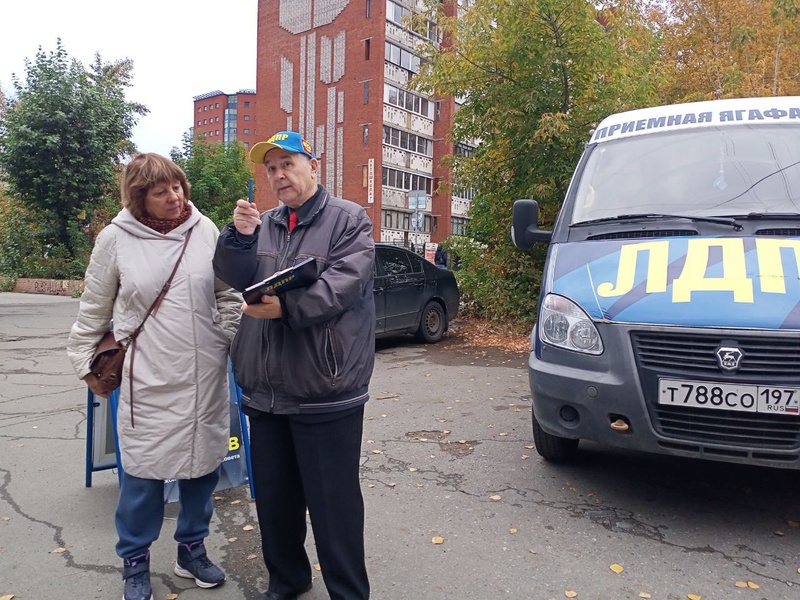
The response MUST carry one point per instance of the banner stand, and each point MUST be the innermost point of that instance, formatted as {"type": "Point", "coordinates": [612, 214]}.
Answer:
{"type": "Point", "coordinates": [102, 442]}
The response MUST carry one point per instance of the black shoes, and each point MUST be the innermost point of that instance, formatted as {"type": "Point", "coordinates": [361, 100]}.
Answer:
{"type": "Point", "coordinates": [277, 596]}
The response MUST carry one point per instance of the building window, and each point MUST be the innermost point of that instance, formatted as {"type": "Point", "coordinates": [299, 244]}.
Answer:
{"type": "Point", "coordinates": [369, 9]}
{"type": "Point", "coordinates": [366, 49]}
{"type": "Point", "coordinates": [366, 92]}
{"type": "Point", "coordinates": [205, 108]}
{"type": "Point", "coordinates": [216, 105]}
{"type": "Point", "coordinates": [246, 131]}
{"type": "Point", "coordinates": [364, 134]}
{"type": "Point", "coordinates": [216, 119]}
{"type": "Point", "coordinates": [247, 144]}
{"type": "Point", "coordinates": [247, 103]}
{"type": "Point", "coordinates": [199, 109]}
{"type": "Point", "coordinates": [205, 121]}
{"type": "Point", "coordinates": [246, 117]}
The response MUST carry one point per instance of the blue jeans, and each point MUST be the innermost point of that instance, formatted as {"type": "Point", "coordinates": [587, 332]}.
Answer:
{"type": "Point", "coordinates": [140, 511]}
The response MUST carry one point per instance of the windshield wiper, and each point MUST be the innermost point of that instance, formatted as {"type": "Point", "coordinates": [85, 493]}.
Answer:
{"type": "Point", "coordinates": [769, 215]}
{"type": "Point", "coordinates": [646, 216]}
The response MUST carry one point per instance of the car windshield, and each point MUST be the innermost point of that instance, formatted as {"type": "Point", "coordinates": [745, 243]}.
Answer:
{"type": "Point", "coordinates": [709, 171]}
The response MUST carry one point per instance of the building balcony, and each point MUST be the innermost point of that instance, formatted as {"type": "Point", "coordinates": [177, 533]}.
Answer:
{"type": "Point", "coordinates": [393, 115]}
{"type": "Point", "coordinates": [395, 74]}
{"type": "Point", "coordinates": [397, 157]}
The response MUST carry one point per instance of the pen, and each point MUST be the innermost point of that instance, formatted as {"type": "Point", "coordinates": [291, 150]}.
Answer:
{"type": "Point", "coordinates": [250, 192]}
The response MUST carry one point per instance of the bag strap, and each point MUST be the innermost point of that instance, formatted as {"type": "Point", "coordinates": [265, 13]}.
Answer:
{"type": "Point", "coordinates": [153, 309]}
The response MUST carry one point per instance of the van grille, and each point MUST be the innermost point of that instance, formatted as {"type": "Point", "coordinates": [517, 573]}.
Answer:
{"type": "Point", "coordinates": [730, 428]}
{"type": "Point", "coordinates": [692, 356]}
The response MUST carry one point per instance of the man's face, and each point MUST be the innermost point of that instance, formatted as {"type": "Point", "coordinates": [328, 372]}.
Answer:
{"type": "Point", "coordinates": [293, 177]}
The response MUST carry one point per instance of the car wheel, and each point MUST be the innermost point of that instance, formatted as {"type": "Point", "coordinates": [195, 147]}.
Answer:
{"type": "Point", "coordinates": [433, 323]}
{"type": "Point", "coordinates": [553, 448]}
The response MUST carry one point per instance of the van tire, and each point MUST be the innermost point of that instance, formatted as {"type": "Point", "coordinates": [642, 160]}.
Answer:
{"type": "Point", "coordinates": [553, 448]}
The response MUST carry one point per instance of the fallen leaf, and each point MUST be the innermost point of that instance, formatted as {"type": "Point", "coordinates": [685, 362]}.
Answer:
{"type": "Point", "coordinates": [252, 556]}
{"type": "Point", "coordinates": [753, 586]}
{"type": "Point", "coordinates": [495, 497]}
{"type": "Point", "coordinates": [370, 441]}
{"type": "Point", "coordinates": [531, 550]}
{"type": "Point", "coordinates": [446, 432]}
{"type": "Point", "coordinates": [437, 540]}
{"type": "Point", "coordinates": [7, 597]}
{"type": "Point", "coordinates": [462, 441]}
{"type": "Point", "coordinates": [693, 596]}
{"type": "Point", "coordinates": [779, 533]}
{"type": "Point", "coordinates": [248, 528]}
{"type": "Point", "coordinates": [170, 596]}
{"type": "Point", "coordinates": [528, 447]}
{"type": "Point", "coordinates": [233, 539]}
{"type": "Point", "coordinates": [412, 469]}
{"type": "Point", "coordinates": [317, 567]}
{"type": "Point", "coordinates": [5, 519]}
{"type": "Point", "coordinates": [616, 568]}
{"type": "Point", "coordinates": [512, 530]}
{"type": "Point", "coordinates": [391, 484]}
{"type": "Point", "coordinates": [571, 594]}
{"type": "Point", "coordinates": [524, 456]}
{"type": "Point", "coordinates": [377, 451]}
{"type": "Point", "coordinates": [503, 434]}
{"type": "Point", "coordinates": [741, 584]}
{"type": "Point", "coordinates": [59, 551]}
{"type": "Point", "coordinates": [793, 523]}
{"type": "Point", "coordinates": [644, 595]}
{"type": "Point", "coordinates": [236, 502]}
{"type": "Point", "coordinates": [371, 485]}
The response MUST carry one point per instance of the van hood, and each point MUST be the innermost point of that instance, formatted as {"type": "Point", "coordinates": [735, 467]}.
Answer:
{"type": "Point", "coordinates": [751, 282]}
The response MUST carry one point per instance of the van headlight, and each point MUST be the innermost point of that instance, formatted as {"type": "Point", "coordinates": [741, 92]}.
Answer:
{"type": "Point", "coordinates": [564, 324]}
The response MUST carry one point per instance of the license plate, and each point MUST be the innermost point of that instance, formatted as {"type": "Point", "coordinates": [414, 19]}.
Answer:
{"type": "Point", "coordinates": [723, 396]}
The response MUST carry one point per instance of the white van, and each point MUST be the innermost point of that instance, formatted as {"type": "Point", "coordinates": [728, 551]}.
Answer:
{"type": "Point", "coordinates": [669, 314]}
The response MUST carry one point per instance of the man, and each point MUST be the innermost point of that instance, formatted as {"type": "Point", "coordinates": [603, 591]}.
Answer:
{"type": "Point", "coordinates": [304, 360]}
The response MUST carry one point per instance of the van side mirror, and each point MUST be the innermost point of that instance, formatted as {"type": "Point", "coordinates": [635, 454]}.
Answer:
{"type": "Point", "coordinates": [525, 225]}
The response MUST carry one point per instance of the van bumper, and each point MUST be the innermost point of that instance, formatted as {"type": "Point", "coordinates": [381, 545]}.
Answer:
{"type": "Point", "coordinates": [612, 399]}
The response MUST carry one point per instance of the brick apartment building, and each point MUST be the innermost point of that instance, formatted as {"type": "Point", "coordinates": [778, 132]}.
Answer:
{"type": "Point", "coordinates": [222, 117]}
{"type": "Point", "coordinates": [338, 72]}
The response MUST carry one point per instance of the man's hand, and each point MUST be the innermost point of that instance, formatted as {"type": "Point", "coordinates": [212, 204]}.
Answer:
{"type": "Point", "coordinates": [270, 308]}
{"type": "Point", "coordinates": [246, 217]}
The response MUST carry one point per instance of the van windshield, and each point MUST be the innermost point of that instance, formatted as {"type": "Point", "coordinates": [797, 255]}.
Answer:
{"type": "Point", "coordinates": [711, 171]}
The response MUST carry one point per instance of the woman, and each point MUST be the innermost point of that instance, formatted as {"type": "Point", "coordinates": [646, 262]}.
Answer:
{"type": "Point", "coordinates": [174, 421]}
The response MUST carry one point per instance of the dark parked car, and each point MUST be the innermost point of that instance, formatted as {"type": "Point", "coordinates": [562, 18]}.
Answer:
{"type": "Point", "coordinates": [412, 295]}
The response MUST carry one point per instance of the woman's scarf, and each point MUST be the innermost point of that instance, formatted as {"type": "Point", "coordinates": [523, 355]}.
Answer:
{"type": "Point", "coordinates": [165, 226]}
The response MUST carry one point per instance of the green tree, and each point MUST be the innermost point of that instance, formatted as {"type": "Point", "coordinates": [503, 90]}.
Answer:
{"type": "Point", "coordinates": [534, 76]}
{"type": "Point", "coordinates": [220, 174]}
{"type": "Point", "coordinates": [62, 140]}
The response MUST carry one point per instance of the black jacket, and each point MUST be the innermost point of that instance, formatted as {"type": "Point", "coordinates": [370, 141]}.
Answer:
{"type": "Point", "coordinates": [319, 357]}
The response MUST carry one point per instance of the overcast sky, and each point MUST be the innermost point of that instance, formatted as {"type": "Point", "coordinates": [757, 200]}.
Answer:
{"type": "Point", "coordinates": [180, 49]}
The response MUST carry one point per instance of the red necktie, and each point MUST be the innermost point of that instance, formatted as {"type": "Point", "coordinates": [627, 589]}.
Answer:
{"type": "Point", "coordinates": [292, 220]}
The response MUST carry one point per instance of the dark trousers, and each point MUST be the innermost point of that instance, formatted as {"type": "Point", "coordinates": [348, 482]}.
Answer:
{"type": "Point", "coordinates": [311, 461]}
{"type": "Point", "coordinates": [140, 511]}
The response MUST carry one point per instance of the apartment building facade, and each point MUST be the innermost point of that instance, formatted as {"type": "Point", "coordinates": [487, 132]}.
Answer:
{"type": "Point", "coordinates": [338, 71]}
{"type": "Point", "coordinates": [221, 117]}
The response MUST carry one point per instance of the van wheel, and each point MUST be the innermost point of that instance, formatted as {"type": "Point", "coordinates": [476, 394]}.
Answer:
{"type": "Point", "coordinates": [553, 448]}
{"type": "Point", "coordinates": [433, 324]}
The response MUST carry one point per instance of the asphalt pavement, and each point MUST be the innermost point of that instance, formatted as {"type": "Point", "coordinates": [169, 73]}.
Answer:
{"type": "Point", "coordinates": [459, 506]}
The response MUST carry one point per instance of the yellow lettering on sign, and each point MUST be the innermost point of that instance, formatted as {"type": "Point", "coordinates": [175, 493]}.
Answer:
{"type": "Point", "coordinates": [770, 266]}
{"type": "Point", "coordinates": [658, 257]}
{"type": "Point", "coordinates": [734, 274]}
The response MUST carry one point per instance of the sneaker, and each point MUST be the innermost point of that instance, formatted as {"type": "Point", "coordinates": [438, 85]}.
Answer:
{"type": "Point", "coordinates": [193, 563]}
{"type": "Point", "coordinates": [136, 574]}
